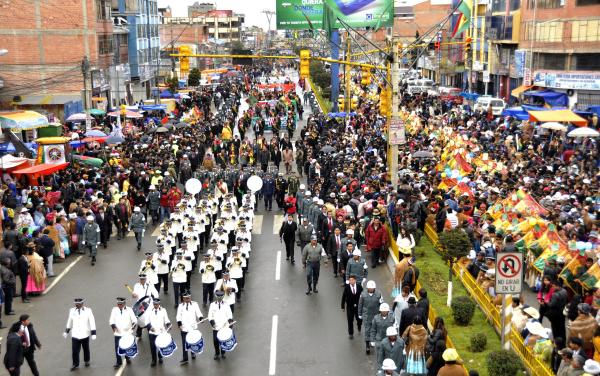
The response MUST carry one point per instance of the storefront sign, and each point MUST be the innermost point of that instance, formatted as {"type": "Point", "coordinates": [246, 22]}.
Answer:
{"type": "Point", "coordinates": [397, 133]}
{"type": "Point", "coordinates": [527, 76]}
{"type": "Point", "coordinates": [519, 64]}
{"type": "Point", "coordinates": [567, 80]}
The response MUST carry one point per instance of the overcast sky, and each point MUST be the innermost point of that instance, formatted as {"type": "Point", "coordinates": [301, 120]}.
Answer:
{"type": "Point", "coordinates": [251, 8]}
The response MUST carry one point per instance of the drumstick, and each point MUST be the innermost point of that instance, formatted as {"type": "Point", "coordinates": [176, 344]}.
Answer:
{"type": "Point", "coordinates": [129, 288]}
{"type": "Point", "coordinates": [230, 325]}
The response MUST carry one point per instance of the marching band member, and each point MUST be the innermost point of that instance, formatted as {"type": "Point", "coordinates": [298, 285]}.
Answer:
{"type": "Point", "coordinates": [148, 267]}
{"type": "Point", "coordinates": [161, 260]}
{"type": "Point", "coordinates": [235, 263]}
{"type": "Point", "coordinates": [83, 325]}
{"type": "Point", "coordinates": [202, 226]}
{"type": "Point", "coordinates": [207, 269]}
{"type": "Point", "coordinates": [188, 317]}
{"type": "Point", "coordinates": [179, 276]}
{"type": "Point", "coordinates": [219, 316]}
{"type": "Point", "coordinates": [229, 287]}
{"type": "Point", "coordinates": [158, 323]}
{"type": "Point", "coordinates": [188, 258]}
{"type": "Point", "coordinates": [122, 321]}
{"type": "Point", "coordinates": [191, 237]}
{"type": "Point", "coordinates": [141, 290]}
{"type": "Point", "coordinates": [243, 231]}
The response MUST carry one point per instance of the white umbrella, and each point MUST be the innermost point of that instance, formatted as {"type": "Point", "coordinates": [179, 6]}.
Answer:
{"type": "Point", "coordinates": [583, 132]}
{"type": "Point", "coordinates": [554, 126]}
{"type": "Point", "coordinates": [77, 117]}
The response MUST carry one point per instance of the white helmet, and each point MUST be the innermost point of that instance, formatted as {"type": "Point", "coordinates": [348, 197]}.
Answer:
{"type": "Point", "coordinates": [302, 187]}
{"type": "Point", "coordinates": [307, 193]}
{"type": "Point", "coordinates": [371, 284]}
{"type": "Point", "coordinates": [356, 252]}
{"type": "Point", "coordinates": [388, 365]}
{"type": "Point", "coordinates": [391, 331]}
{"type": "Point", "coordinates": [384, 307]}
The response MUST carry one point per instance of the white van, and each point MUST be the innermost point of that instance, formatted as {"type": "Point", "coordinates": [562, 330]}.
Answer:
{"type": "Point", "coordinates": [484, 102]}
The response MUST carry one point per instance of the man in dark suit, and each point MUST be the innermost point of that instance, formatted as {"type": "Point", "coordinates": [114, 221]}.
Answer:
{"type": "Point", "coordinates": [350, 298]}
{"type": "Point", "coordinates": [333, 247]}
{"type": "Point", "coordinates": [423, 303]}
{"type": "Point", "coordinates": [13, 357]}
{"type": "Point", "coordinates": [409, 314]}
{"type": "Point", "coordinates": [104, 220]}
{"type": "Point", "coordinates": [30, 342]}
{"type": "Point", "coordinates": [287, 233]}
{"type": "Point", "coordinates": [345, 255]}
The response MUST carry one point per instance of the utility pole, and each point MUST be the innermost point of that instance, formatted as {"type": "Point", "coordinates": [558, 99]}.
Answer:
{"type": "Point", "coordinates": [395, 113]}
{"type": "Point", "coordinates": [85, 70]}
{"type": "Point", "coordinates": [269, 14]}
{"type": "Point", "coordinates": [347, 73]}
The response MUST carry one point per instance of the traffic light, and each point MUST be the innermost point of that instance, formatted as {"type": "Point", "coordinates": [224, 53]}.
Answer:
{"type": "Point", "coordinates": [304, 63]}
{"type": "Point", "coordinates": [384, 102]}
{"type": "Point", "coordinates": [468, 41]}
{"type": "Point", "coordinates": [184, 61]}
{"type": "Point", "coordinates": [365, 76]}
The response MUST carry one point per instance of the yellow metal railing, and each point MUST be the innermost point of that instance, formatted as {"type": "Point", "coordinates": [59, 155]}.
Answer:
{"type": "Point", "coordinates": [317, 94]}
{"type": "Point", "coordinates": [493, 314]}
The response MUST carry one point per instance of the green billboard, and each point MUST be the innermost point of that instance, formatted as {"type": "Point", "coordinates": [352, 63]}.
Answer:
{"type": "Point", "coordinates": [296, 14]}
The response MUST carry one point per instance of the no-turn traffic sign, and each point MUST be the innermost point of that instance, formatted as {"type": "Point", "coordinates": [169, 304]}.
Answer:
{"type": "Point", "coordinates": [509, 273]}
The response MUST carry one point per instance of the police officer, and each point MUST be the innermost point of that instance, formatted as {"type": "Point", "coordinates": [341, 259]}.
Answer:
{"type": "Point", "coordinates": [188, 316]}
{"type": "Point", "coordinates": [311, 260]}
{"type": "Point", "coordinates": [91, 237]}
{"type": "Point", "coordinates": [368, 306]}
{"type": "Point", "coordinates": [379, 326]}
{"type": "Point", "coordinates": [281, 186]}
{"type": "Point", "coordinates": [122, 321]}
{"type": "Point", "coordinates": [268, 190]}
{"type": "Point", "coordinates": [82, 325]}
{"type": "Point", "coordinates": [138, 225]}
{"type": "Point", "coordinates": [357, 266]}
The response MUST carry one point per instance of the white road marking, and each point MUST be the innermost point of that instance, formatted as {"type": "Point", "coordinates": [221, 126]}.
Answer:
{"type": "Point", "coordinates": [278, 266]}
{"type": "Point", "coordinates": [277, 222]}
{"type": "Point", "coordinates": [61, 275]}
{"type": "Point", "coordinates": [273, 357]}
{"type": "Point", "coordinates": [121, 369]}
{"type": "Point", "coordinates": [257, 224]}
{"type": "Point", "coordinates": [156, 231]}
{"type": "Point", "coordinates": [130, 234]}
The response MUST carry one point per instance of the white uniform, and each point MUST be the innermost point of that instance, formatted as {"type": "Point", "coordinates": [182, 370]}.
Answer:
{"type": "Point", "coordinates": [188, 315]}
{"type": "Point", "coordinates": [223, 285]}
{"type": "Point", "coordinates": [187, 254]}
{"type": "Point", "coordinates": [150, 271]}
{"type": "Point", "coordinates": [158, 320]}
{"type": "Point", "coordinates": [81, 322]}
{"type": "Point", "coordinates": [161, 260]}
{"type": "Point", "coordinates": [235, 270]}
{"type": "Point", "coordinates": [124, 321]}
{"type": "Point", "coordinates": [178, 274]}
{"type": "Point", "coordinates": [219, 314]}
{"type": "Point", "coordinates": [147, 289]}
{"type": "Point", "coordinates": [208, 276]}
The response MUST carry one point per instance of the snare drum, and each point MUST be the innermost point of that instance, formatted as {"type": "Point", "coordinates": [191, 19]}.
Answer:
{"type": "Point", "coordinates": [165, 345]}
{"type": "Point", "coordinates": [127, 346]}
{"type": "Point", "coordinates": [194, 342]}
{"type": "Point", "coordinates": [227, 339]}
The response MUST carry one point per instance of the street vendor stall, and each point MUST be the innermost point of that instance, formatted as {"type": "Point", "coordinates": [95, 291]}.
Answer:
{"type": "Point", "coordinates": [37, 171]}
{"type": "Point", "coordinates": [562, 116]}
{"type": "Point", "coordinates": [10, 163]}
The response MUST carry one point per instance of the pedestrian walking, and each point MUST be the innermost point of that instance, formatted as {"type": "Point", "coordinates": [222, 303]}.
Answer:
{"type": "Point", "coordinates": [13, 357]}
{"type": "Point", "coordinates": [379, 325]}
{"type": "Point", "coordinates": [392, 347]}
{"type": "Point", "coordinates": [350, 298]}
{"type": "Point", "coordinates": [188, 316]}
{"type": "Point", "coordinates": [376, 237]}
{"type": "Point", "coordinates": [368, 306]}
{"type": "Point", "coordinates": [153, 204]}
{"type": "Point", "coordinates": [30, 343]}
{"type": "Point", "coordinates": [82, 326]}
{"type": "Point", "coordinates": [91, 237]}
{"type": "Point", "coordinates": [357, 267]}
{"type": "Point", "coordinates": [138, 225]}
{"type": "Point", "coordinates": [122, 322]}
{"type": "Point", "coordinates": [287, 234]}
{"type": "Point", "coordinates": [7, 276]}
{"type": "Point", "coordinates": [311, 259]}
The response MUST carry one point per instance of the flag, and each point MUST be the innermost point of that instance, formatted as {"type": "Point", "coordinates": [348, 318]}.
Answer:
{"type": "Point", "coordinates": [378, 24]}
{"type": "Point", "coordinates": [464, 20]}
{"type": "Point", "coordinates": [328, 20]}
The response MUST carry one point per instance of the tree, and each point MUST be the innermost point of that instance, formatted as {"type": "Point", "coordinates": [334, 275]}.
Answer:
{"type": "Point", "coordinates": [173, 84]}
{"type": "Point", "coordinates": [194, 77]}
{"type": "Point", "coordinates": [320, 76]}
{"type": "Point", "coordinates": [454, 245]}
{"type": "Point", "coordinates": [236, 45]}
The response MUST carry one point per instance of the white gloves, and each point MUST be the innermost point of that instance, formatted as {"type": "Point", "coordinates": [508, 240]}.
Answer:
{"type": "Point", "coordinates": [93, 337]}
{"type": "Point", "coordinates": [83, 242]}
{"type": "Point", "coordinates": [372, 343]}
{"type": "Point", "coordinates": [360, 317]}
{"type": "Point", "coordinates": [65, 334]}
{"type": "Point", "coordinates": [98, 243]}
{"type": "Point", "coordinates": [338, 260]}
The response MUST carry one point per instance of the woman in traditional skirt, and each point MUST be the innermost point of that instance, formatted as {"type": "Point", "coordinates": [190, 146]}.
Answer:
{"type": "Point", "coordinates": [36, 280]}
{"type": "Point", "coordinates": [62, 226]}
{"type": "Point", "coordinates": [415, 337]}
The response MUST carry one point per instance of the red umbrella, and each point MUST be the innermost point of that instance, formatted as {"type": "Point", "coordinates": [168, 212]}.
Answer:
{"type": "Point", "coordinates": [128, 114]}
{"type": "Point", "coordinates": [94, 139]}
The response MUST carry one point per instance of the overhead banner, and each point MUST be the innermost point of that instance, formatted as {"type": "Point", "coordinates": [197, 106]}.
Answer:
{"type": "Point", "coordinates": [296, 14]}
{"type": "Point", "coordinates": [567, 80]}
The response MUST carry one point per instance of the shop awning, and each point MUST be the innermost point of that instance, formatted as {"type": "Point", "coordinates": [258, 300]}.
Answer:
{"type": "Point", "coordinates": [9, 162]}
{"type": "Point", "coordinates": [41, 169]}
{"type": "Point", "coordinates": [561, 116]}
{"type": "Point", "coordinates": [22, 120]}
{"type": "Point", "coordinates": [523, 88]}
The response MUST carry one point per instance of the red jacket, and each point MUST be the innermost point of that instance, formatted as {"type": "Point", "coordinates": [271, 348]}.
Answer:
{"type": "Point", "coordinates": [290, 205]}
{"type": "Point", "coordinates": [376, 238]}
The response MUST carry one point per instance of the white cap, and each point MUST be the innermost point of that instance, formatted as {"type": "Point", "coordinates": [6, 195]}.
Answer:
{"type": "Point", "coordinates": [152, 186]}
{"type": "Point", "coordinates": [384, 307]}
{"type": "Point", "coordinates": [136, 209]}
{"type": "Point", "coordinates": [321, 202]}
{"type": "Point", "coordinates": [90, 218]}
{"type": "Point", "coordinates": [315, 199]}
{"type": "Point", "coordinates": [356, 252]}
{"type": "Point", "coordinates": [302, 187]}
{"type": "Point", "coordinates": [388, 365]}
{"type": "Point", "coordinates": [307, 193]}
{"type": "Point", "coordinates": [349, 232]}
{"type": "Point", "coordinates": [167, 173]}
{"type": "Point", "coordinates": [391, 331]}
{"type": "Point", "coordinates": [371, 284]}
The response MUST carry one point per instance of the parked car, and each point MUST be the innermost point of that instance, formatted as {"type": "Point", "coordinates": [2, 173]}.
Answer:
{"type": "Point", "coordinates": [450, 94]}
{"type": "Point", "coordinates": [484, 102]}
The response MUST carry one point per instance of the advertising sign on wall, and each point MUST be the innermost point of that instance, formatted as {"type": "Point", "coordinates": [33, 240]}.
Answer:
{"type": "Point", "coordinates": [567, 80]}
{"type": "Point", "coordinates": [296, 14]}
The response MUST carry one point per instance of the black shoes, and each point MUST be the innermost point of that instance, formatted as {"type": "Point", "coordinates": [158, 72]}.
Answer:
{"type": "Point", "coordinates": [87, 364]}
{"type": "Point", "coordinates": [73, 368]}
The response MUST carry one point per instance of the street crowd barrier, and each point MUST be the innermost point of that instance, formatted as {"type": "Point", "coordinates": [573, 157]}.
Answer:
{"type": "Point", "coordinates": [493, 314]}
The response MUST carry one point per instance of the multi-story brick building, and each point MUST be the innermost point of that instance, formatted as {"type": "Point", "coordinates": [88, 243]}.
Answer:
{"type": "Point", "coordinates": [562, 40]}
{"type": "Point", "coordinates": [46, 43]}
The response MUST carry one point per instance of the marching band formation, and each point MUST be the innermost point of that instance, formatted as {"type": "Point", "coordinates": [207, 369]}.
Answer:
{"type": "Point", "coordinates": [210, 235]}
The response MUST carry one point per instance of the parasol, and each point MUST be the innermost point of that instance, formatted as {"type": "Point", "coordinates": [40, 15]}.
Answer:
{"type": "Point", "coordinates": [423, 154]}
{"type": "Point", "coordinates": [161, 130]}
{"type": "Point", "coordinates": [327, 149]}
{"type": "Point", "coordinates": [128, 114]}
{"type": "Point", "coordinates": [77, 117]}
{"type": "Point", "coordinates": [95, 133]}
{"type": "Point", "coordinates": [95, 162]}
{"type": "Point", "coordinates": [554, 126]}
{"type": "Point", "coordinates": [584, 132]}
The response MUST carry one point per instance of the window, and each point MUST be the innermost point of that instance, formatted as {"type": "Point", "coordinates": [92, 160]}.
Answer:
{"type": "Point", "coordinates": [551, 61]}
{"type": "Point", "coordinates": [545, 4]}
{"type": "Point", "coordinates": [102, 10]}
{"type": "Point", "coordinates": [123, 40]}
{"type": "Point", "coordinates": [587, 2]}
{"type": "Point", "coordinates": [105, 44]}
{"type": "Point", "coordinates": [586, 100]}
{"type": "Point", "coordinates": [585, 30]}
{"type": "Point", "coordinates": [586, 62]}
{"type": "Point", "coordinates": [545, 31]}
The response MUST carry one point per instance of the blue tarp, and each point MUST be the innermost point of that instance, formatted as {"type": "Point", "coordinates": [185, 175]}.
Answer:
{"type": "Point", "coordinates": [469, 96]}
{"type": "Point", "coordinates": [550, 97]}
{"type": "Point", "coordinates": [154, 107]}
{"type": "Point", "coordinates": [166, 94]}
{"type": "Point", "coordinates": [340, 114]}
{"type": "Point", "coordinates": [8, 147]}
{"type": "Point", "coordinates": [516, 112]}
{"type": "Point", "coordinates": [594, 109]}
